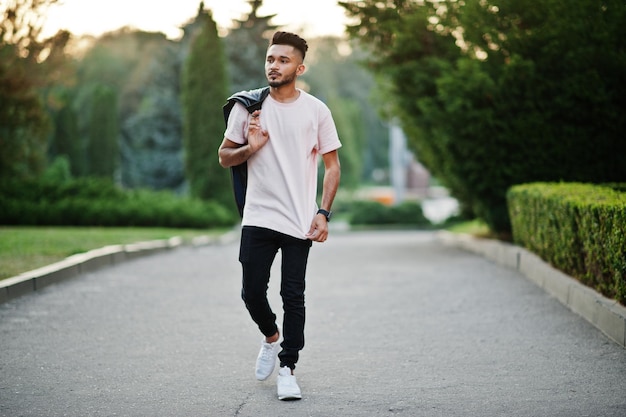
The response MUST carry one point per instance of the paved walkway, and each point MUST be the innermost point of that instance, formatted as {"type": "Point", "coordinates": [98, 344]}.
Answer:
{"type": "Point", "coordinates": [397, 324]}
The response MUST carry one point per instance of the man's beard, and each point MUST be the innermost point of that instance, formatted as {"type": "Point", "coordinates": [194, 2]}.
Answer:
{"type": "Point", "coordinates": [286, 80]}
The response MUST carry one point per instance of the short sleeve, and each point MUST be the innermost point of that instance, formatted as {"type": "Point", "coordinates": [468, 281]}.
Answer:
{"type": "Point", "coordinates": [328, 138]}
{"type": "Point", "coordinates": [236, 129]}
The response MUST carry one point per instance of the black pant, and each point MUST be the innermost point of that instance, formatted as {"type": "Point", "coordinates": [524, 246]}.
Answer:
{"type": "Point", "coordinates": [258, 249]}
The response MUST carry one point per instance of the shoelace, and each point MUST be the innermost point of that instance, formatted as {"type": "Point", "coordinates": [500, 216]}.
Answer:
{"type": "Point", "coordinates": [268, 352]}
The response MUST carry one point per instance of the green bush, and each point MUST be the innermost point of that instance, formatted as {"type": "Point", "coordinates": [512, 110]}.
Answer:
{"type": "Point", "coordinates": [375, 213]}
{"type": "Point", "coordinates": [578, 228]}
{"type": "Point", "coordinates": [544, 102]}
{"type": "Point", "coordinates": [98, 202]}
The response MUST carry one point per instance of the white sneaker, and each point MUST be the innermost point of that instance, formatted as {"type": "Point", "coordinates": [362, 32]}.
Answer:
{"type": "Point", "coordinates": [266, 361]}
{"type": "Point", "coordinates": [288, 388]}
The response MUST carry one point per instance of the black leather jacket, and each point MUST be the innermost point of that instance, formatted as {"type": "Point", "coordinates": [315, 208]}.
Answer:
{"type": "Point", "coordinates": [252, 100]}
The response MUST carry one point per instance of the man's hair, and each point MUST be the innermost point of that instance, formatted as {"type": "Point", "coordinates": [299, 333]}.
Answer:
{"type": "Point", "coordinates": [288, 38]}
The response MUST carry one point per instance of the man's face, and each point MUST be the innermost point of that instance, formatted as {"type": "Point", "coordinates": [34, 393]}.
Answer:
{"type": "Point", "coordinates": [283, 64]}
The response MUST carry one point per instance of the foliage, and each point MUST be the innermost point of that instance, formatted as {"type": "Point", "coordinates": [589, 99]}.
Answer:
{"type": "Point", "coordinates": [58, 170]}
{"type": "Point", "coordinates": [102, 148]}
{"type": "Point", "coordinates": [20, 25]}
{"type": "Point", "coordinates": [24, 123]}
{"type": "Point", "coordinates": [144, 70]}
{"type": "Point", "coordinates": [408, 213]}
{"type": "Point", "coordinates": [246, 46]}
{"type": "Point", "coordinates": [27, 65]}
{"type": "Point", "coordinates": [50, 101]}
{"type": "Point", "coordinates": [348, 120]}
{"type": "Point", "coordinates": [98, 202]}
{"type": "Point", "coordinates": [152, 134]}
{"type": "Point", "coordinates": [65, 141]}
{"type": "Point", "coordinates": [495, 93]}
{"type": "Point", "coordinates": [336, 76]}
{"type": "Point", "coordinates": [204, 90]}
{"type": "Point", "coordinates": [578, 228]}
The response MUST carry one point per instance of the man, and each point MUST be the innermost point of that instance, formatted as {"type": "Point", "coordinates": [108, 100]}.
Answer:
{"type": "Point", "coordinates": [281, 144]}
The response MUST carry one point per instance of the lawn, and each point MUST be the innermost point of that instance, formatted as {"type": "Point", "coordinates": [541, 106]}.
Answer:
{"type": "Point", "coordinates": [25, 248]}
{"type": "Point", "coordinates": [471, 227]}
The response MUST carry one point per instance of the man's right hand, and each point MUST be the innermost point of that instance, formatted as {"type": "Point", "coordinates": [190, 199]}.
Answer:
{"type": "Point", "coordinates": [257, 137]}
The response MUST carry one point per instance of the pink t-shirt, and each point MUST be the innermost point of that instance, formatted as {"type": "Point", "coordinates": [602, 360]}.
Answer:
{"type": "Point", "coordinates": [282, 176]}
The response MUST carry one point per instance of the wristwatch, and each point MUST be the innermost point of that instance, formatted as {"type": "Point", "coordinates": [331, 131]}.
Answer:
{"type": "Point", "coordinates": [326, 213]}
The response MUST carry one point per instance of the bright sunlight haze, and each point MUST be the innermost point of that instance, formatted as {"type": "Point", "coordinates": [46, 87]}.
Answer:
{"type": "Point", "coordinates": [92, 17]}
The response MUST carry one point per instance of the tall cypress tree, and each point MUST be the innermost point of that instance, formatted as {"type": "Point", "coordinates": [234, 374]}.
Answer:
{"type": "Point", "coordinates": [204, 91]}
{"type": "Point", "coordinates": [103, 149]}
{"type": "Point", "coordinates": [66, 139]}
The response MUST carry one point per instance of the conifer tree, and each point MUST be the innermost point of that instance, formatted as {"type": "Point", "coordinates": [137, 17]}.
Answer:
{"type": "Point", "coordinates": [103, 149]}
{"type": "Point", "coordinates": [247, 46]}
{"type": "Point", "coordinates": [65, 141]}
{"type": "Point", "coordinates": [204, 91]}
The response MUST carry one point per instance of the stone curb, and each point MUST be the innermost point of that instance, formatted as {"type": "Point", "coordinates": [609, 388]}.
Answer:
{"type": "Point", "coordinates": [605, 314]}
{"type": "Point", "coordinates": [82, 263]}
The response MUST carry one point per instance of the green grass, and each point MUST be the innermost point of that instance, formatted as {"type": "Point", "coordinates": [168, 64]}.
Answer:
{"type": "Point", "coordinates": [477, 228]}
{"type": "Point", "coordinates": [472, 227]}
{"type": "Point", "coordinates": [25, 248]}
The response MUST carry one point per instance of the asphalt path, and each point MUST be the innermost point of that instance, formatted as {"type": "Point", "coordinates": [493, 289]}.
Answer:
{"type": "Point", "coordinates": [397, 324]}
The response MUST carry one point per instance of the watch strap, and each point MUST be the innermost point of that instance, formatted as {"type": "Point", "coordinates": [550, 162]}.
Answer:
{"type": "Point", "coordinates": [325, 213]}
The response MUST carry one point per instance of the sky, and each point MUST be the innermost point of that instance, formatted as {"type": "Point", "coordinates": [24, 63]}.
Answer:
{"type": "Point", "coordinates": [94, 17]}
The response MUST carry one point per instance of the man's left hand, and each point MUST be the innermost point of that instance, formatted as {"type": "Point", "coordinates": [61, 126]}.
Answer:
{"type": "Point", "coordinates": [319, 229]}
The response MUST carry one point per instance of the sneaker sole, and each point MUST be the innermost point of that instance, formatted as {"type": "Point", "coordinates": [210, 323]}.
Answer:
{"type": "Point", "coordinates": [290, 397]}
{"type": "Point", "coordinates": [263, 378]}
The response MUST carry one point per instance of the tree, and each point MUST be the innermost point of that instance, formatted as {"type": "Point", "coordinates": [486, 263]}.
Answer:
{"type": "Point", "coordinates": [103, 149]}
{"type": "Point", "coordinates": [152, 134]}
{"type": "Point", "coordinates": [336, 76]}
{"type": "Point", "coordinates": [246, 47]}
{"type": "Point", "coordinates": [24, 122]}
{"type": "Point", "coordinates": [350, 127]}
{"type": "Point", "coordinates": [66, 141]}
{"type": "Point", "coordinates": [152, 130]}
{"type": "Point", "coordinates": [204, 91]}
{"type": "Point", "coordinates": [21, 24]}
{"type": "Point", "coordinates": [496, 93]}
{"type": "Point", "coordinates": [143, 69]}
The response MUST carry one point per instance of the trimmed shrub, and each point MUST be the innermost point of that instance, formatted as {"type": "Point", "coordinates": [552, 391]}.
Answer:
{"type": "Point", "coordinates": [98, 202]}
{"type": "Point", "coordinates": [375, 213]}
{"type": "Point", "coordinates": [578, 228]}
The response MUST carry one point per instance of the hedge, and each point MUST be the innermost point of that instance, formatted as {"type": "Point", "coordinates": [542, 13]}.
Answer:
{"type": "Point", "coordinates": [374, 213]}
{"type": "Point", "coordinates": [578, 228]}
{"type": "Point", "coordinates": [98, 202]}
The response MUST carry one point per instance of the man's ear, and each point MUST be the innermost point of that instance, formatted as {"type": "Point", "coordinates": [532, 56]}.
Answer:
{"type": "Point", "coordinates": [301, 69]}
